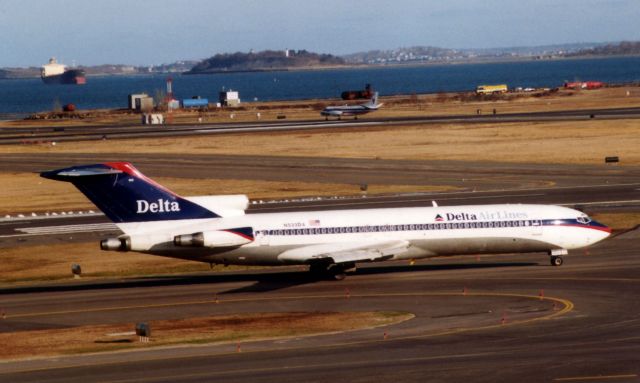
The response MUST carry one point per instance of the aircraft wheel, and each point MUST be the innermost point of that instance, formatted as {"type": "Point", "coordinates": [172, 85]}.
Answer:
{"type": "Point", "coordinates": [337, 272]}
{"type": "Point", "coordinates": [556, 261]}
{"type": "Point", "coordinates": [339, 276]}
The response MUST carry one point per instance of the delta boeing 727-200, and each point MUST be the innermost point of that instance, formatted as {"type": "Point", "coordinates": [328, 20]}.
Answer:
{"type": "Point", "coordinates": [352, 110]}
{"type": "Point", "coordinates": [215, 229]}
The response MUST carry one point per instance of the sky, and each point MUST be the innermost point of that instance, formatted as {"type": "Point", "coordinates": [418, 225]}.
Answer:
{"type": "Point", "coordinates": [145, 32]}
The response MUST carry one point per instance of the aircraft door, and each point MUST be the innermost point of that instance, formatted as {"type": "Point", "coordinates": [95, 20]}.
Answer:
{"type": "Point", "coordinates": [536, 227]}
{"type": "Point", "coordinates": [261, 238]}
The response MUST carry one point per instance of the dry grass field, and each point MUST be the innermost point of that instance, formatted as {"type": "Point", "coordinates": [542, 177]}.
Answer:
{"type": "Point", "coordinates": [577, 142]}
{"type": "Point", "coordinates": [217, 329]}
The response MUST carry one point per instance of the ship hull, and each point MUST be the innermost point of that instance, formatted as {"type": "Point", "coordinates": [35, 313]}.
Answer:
{"type": "Point", "coordinates": [72, 77]}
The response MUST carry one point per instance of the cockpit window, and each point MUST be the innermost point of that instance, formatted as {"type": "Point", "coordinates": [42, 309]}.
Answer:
{"type": "Point", "coordinates": [584, 219]}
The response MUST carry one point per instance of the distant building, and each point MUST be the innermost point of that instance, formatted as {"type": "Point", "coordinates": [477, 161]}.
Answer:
{"type": "Point", "coordinates": [140, 101]}
{"type": "Point", "coordinates": [229, 98]}
{"type": "Point", "coordinates": [152, 119]}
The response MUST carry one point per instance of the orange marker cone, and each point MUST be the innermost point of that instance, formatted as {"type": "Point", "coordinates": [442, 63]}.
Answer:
{"type": "Point", "coordinates": [464, 291]}
{"type": "Point", "coordinates": [238, 348]}
{"type": "Point", "coordinates": [385, 335]}
{"type": "Point", "coordinates": [347, 293]}
{"type": "Point", "coordinates": [541, 294]}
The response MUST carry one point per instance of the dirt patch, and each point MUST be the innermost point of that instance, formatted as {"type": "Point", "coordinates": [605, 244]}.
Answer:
{"type": "Point", "coordinates": [218, 329]}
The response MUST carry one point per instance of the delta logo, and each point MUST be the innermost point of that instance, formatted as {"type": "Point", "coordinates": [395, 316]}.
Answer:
{"type": "Point", "coordinates": [162, 206]}
{"type": "Point", "coordinates": [456, 217]}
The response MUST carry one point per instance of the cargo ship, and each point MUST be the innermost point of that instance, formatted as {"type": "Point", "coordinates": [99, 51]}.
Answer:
{"type": "Point", "coordinates": [54, 73]}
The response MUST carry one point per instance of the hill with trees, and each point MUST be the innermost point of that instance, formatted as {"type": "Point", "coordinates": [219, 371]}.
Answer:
{"type": "Point", "coordinates": [265, 61]}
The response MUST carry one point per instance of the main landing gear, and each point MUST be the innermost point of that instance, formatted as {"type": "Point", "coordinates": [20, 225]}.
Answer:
{"type": "Point", "coordinates": [331, 271]}
{"type": "Point", "coordinates": [556, 256]}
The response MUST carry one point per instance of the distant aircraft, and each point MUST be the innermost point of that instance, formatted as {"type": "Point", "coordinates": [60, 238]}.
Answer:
{"type": "Point", "coordinates": [352, 110]}
{"type": "Point", "coordinates": [215, 229]}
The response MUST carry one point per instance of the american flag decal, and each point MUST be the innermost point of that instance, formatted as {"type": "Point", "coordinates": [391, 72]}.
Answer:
{"type": "Point", "coordinates": [314, 222]}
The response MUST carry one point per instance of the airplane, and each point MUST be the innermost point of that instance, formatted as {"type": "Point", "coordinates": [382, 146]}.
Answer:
{"type": "Point", "coordinates": [352, 110]}
{"type": "Point", "coordinates": [216, 230]}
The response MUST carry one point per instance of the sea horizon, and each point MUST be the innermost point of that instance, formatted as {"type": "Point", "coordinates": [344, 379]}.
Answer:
{"type": "Point", "coordinates": [21, 97]}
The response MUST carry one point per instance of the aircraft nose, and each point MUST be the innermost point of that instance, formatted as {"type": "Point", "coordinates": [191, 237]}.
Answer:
{"type": "Point", "coordinates": [603, 230]}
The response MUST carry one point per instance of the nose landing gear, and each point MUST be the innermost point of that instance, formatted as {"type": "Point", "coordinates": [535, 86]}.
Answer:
{"type": "Point", "coordinates": [556, 256]}
{"type": "Point", "coordinates": [556, 261]}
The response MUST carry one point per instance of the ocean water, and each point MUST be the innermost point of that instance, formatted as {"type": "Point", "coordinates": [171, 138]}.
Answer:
{"type": "Point", "coordinates": [21, 97]}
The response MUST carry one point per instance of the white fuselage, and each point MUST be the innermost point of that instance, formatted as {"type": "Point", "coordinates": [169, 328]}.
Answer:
{"type": "Point", "coordinates": [346, 110]}
{"type": "Point", "coordinates": [428, 231]}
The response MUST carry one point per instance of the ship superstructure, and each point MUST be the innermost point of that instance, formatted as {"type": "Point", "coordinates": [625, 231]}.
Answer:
{"type": "Point", "coordinates": [56, 73]}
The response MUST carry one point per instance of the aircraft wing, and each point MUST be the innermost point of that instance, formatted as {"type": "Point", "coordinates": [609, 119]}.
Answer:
{"type": "Point", "coordinates": [346, 252]}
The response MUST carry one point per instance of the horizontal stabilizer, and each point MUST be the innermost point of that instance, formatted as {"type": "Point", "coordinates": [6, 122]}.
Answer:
{"type": "Point", "coordinates": [69, 174]}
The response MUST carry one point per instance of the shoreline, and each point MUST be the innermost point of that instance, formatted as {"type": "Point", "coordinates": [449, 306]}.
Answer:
{"type": "Point", "coordinates": [408, 64]}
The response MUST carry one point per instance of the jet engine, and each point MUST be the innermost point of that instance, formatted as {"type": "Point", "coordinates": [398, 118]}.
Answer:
{"type": "Point", "coordinates": [217, 238]}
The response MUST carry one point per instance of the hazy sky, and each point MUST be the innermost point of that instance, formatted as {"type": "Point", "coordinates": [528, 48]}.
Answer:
{"type": "Point", "coordinates": [141, 32]}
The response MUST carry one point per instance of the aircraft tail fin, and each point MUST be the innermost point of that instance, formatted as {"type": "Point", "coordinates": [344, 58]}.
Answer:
{"type": "Point", "coordinates": [124, 194]}
{"type": "Point", "coordinates": [373, 103]}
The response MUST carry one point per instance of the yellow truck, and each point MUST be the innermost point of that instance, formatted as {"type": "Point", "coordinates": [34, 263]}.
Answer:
{"type": "Point", "coordinates": [490, 89]}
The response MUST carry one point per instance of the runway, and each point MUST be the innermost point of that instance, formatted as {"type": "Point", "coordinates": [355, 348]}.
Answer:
{"type": "Point", "coordinates": [584, 328]}
{"type": "Point", "coordinates": [101, 132]}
